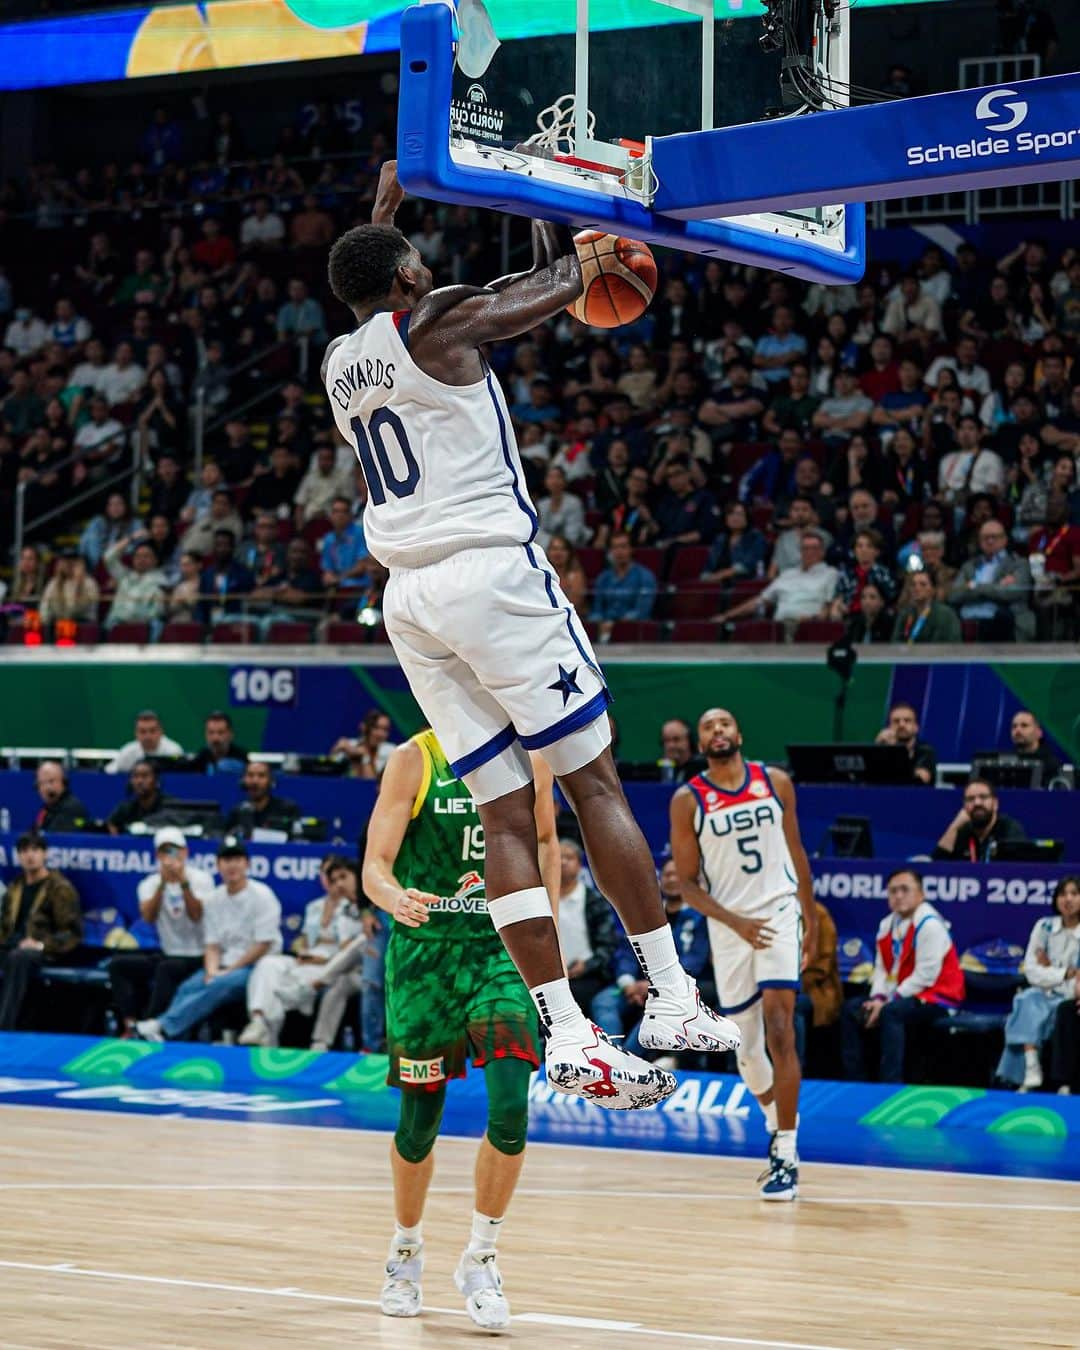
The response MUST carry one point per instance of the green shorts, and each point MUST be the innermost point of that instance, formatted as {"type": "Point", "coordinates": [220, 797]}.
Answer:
{"type": "Point", "coordinates": [447, 1002]}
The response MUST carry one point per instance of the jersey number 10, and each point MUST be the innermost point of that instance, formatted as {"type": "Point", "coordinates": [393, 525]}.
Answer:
{"type": "Point", "coordinates": [374, 457]}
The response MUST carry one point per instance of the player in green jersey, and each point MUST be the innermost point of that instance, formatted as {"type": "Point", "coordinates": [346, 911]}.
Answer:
{"type": "Point", "coordinates": [452, 993]}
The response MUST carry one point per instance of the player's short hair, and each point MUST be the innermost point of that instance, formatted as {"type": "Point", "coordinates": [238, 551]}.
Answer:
{"type": "Point", "coordinates": [906, 872]}
{"type": "Point", "coordinates": [364, 261]}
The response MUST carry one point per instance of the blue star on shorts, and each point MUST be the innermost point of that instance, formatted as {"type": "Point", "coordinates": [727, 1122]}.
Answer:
{"type": "Point", "coordinates": [566, 684]}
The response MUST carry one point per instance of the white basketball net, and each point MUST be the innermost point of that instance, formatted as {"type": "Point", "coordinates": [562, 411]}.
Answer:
{"type": "Point", "coordinates": [555, 135]}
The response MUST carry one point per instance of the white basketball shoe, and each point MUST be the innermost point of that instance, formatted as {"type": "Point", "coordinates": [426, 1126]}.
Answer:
{"type": "Point", "coordinates": [671, 1023]}
{"type": "Point", "coordinates": [582, 1062]}
{"type": "Point", "coordinates": [401, 1294]}
{"type": "Point", "coordinates": [477, 1277]}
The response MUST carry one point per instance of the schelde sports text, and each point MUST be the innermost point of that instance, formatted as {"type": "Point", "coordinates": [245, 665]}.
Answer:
{"type": "Point", "coordinates": [1024, 142]}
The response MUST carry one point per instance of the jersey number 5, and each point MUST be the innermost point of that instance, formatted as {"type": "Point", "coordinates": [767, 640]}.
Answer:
{"type": "Point", "coordinates": [746, 849]}
{"type": "Point", "coordinates": [374, 457]}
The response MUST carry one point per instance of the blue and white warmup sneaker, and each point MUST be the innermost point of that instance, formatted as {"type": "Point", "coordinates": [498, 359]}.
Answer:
{"type": "Point", "coordinates": [582, 1062]}
{"type": "Point", "coordinates": [780, 1180]}
{"type": "Point", "coordinates": [401, 1294]}
{"type": "Point", "coordinates": [477, 1277]}
{"type": "Point", "coordinates": [685, 1023]}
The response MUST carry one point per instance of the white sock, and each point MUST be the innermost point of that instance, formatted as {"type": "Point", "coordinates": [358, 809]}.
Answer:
{"type": "Point", "coordinates": [1031, 1056]}
{"type": "Point", "coordinates": [485, 1232]}
{"type": "Point", "coordinates": [660, 961]}
{"type": "Point", "coordinates": [786, 1145]}
{"type": "Point", "coordinates": [406, 1237]}
{"type": "Point", "coordinates": [555, 1003]}
{"type": "Point", "coordinates": [770, 1117]}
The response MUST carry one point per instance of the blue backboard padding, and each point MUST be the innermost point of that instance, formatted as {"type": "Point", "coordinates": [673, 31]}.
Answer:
{"type": "Point", "coordinates": [865, 154]}
{"type": "Point", "coordinates": [425, 168]}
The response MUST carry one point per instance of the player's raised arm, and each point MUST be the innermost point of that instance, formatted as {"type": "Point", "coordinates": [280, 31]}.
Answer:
{"type": "Point", "coordinates": [785, 790]}
{"type": "Point", "coordinates": [401, 783]}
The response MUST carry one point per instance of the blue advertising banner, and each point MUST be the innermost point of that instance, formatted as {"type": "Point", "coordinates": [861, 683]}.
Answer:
{"type": "Point", "coordinates": [980, 902]}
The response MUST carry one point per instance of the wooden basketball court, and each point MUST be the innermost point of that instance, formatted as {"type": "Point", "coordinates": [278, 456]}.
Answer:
{"type": "Point", "coordinates": [164, 1231]}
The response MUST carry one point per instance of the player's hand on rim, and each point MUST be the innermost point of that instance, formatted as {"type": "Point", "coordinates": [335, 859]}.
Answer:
{"type": "Point", "coordinates": [412, 907]}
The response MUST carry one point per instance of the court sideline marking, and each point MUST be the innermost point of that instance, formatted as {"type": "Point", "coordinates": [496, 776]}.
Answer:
{"type": "Point", "coordinates": [540, 1192]}
{"type": "Point", "coordinates": [534, 1319]}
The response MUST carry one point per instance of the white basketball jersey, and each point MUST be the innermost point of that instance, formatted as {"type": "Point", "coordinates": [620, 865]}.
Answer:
{"type": "Point", "coordinates": [440, 461]}
{"type": "Point", "coordinates": [745, 861]}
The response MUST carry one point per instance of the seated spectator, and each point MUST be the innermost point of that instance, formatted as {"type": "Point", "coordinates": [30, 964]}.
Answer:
{"type": "Point", "coordinates": [150, 739]}
{"type": "Point", "coordinates": [182, 604]}
{"type": "Point", "coordinates": [234, 452]}
{"type": "Point", "coordinates": [171, 898]}
{"type": "Point", "coordinates": [905, 477]}
{"type": "Point", "coordinates": [633, 514]}
{"type": "Point", "coordinates": [882, 376]}
{"type": "Point", "coordinates": [40, 921]}
{"type": "Point", "coordinates": [263, 230]}
{"type": "Point", "coordinates": [1028, 742]}
{"type": "Point", "coordinates": [684, 514]}
{"type": "Point", "coordinates": [912, 316]}
{"type": "Point", "coordinates": [566, 566]}
{"type": "Point", "coordinates": [123, 378]}
{"type": "Point", "coordinates": [776, 349]}
{"type": "Point", "coordinates": [222, 516]}
{"type": "Point", "coordinates": [220, 752]}
{"type": "Point", "coordinates": [773, 476]}
{"type": "Point", "coordinates": [114, 525]}
{"type": "Point", "coordinates": [866, 569]}
{"type": "Point", "coordinates": [561, 512]}
{"type": "Point", "coordinates": [144, 798]}
{"type": "Point", "coordinates": [1051, 967]}
{"type": "Point", "coordinates": [1054, 559]}
{"type": "Point", "coordinates": [822, 997]}
{"type": "Point", "coordinates": [1062, 433]}
{"type": "Point", "coordinates": [803, 592]}
{"type": "Point", "coordinates": [802, 516]}
{"type": "Point", "coordinates": [846, 411]}
{"type": "Point", "coordinates": [60, 809]}
{"type": "Point", "coordinates": [225, 585]}
{"type": "Point", "coordinates": [1040, 485]}
{"type": "Point", "coordinates": [971, 467]}
{"type": "Point", "coordinates": [739, 552]}
{"type": "Point", "coordinates": [99, 440]}
{"type": "Point", "coordinates": [139, 596]}
{"type": "Point", "coordinates": [261, 812]}
{"type": "Point", "coordinates": [26, 333]}
{"type": "Point", "coordinates": [71, 593]}
{"type": "Point", "coordinates": [978, 827]}
{"type": "Point", "coordinates": [68, 328]}
{"type": "Point", "coordinates": [241, 924]}
{"type": "Point", "coordinates": [280, 984]}
{"type": "Point", "coordinates": [263, 554]}
{"type": "Point", "coordinates": [541, 406]}
{"type": "Point", "coordinates": [690, 930]}
{"type": "Point", "coordinates": [638, 381]}
{"type": "Point", "coordinates": [302, 317]}
{"type": "Point", "coordinates": [902, 728]}
{"type": "Point", "coordinates": [679, 760]}
{"type": "Point", "coordinates": [924, 618]}
{"type": "Point", "coordinates": [292, 595]}
{"type": "Point", "coordinates": [917, 980]}
{"type": "Point", "coordinates": [733, 408]}
{"type": "Point", "coordinates": [162, 539]}
{"type": "Point", "coordinates": [587, 937]}
{"type": "Point", "coordinates": [343, 552]}
{"type": "Point", "coordinates": [994, 589]}
{"type": "Point", "coordinates": [903, 405]}
{"type": "Point", "coordinates": [795, 409]}
{"type": "Point", "coordinates": [369, 752]}
{"type": "Point", "coordinates": [323, 481]}
{"type": "Point", "coordinates": [970, 376]}
{"type": "Point", "coordinates": [624, 589]}
{"type": "Point", "coordinates": [874, 621]}
{"type": "Point", "coordinates": [159, 415]}
{"type": "Point", "coordinates": [211, 382]}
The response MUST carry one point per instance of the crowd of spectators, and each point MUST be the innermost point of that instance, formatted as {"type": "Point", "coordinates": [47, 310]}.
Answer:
{"type": "Point", "coordinates": [897, 459]}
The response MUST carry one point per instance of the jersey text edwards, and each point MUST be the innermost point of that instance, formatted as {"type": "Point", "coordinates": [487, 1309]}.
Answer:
{"type": "Point", "coordinates": [372, 373]}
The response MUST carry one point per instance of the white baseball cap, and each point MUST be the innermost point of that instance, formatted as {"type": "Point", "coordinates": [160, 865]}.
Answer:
{"type": "Point", "coordinates": [170, 835]}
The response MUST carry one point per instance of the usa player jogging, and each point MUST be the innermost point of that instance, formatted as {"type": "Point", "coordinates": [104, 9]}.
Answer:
{"type": "Point", "coordinates": [492, 649]}
{"type": "Point", "coordinates": [735, 841]}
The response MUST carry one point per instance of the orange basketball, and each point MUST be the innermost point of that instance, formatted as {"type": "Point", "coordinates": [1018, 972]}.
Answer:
{"type": "Point", "coordinates": [619, 277]}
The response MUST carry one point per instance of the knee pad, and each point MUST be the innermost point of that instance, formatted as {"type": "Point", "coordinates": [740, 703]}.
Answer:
{"type": "Point", "coordinates": [508, 1103]}
{"type": "Point", "coordinates": [754, 1065]}
{"type": "Point", "coordinates": [418, 1123]}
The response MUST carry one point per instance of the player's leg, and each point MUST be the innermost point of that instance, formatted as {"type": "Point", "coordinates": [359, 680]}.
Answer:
{"type": "Point", "coordinates": [479, 738]}
{"type": "Point", "coordinates": [498, 1166]}
{"type": "Point", "coordinates": [412, 1163]}
{"type": "Point", "coordinates": [777, 973]}
{"type": "Point", "coordinates": [623, 869]}
{"type": "Point", "coordinates": [739, 998]}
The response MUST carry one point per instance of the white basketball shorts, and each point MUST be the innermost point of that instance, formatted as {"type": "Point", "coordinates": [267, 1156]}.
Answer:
{"type": "Point", "coordinates": [500, 664]}
{"type": "Point", "coordinates": [742, 971]}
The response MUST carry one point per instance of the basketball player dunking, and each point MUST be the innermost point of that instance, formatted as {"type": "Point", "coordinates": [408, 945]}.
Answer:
{"type": "Point", "coordinates": [492, 649]}
{"type": "Point", "coordinates": [735, 841]}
